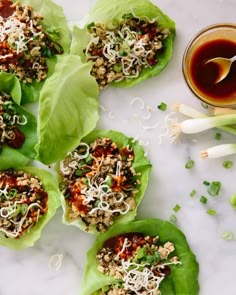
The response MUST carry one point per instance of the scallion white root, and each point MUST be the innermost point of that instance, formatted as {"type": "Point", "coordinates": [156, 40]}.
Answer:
{"type": "Point", "coordinates": [223, 111]}
{"type": "Point", "coordinates": [187, 111]}
{"type": "Point", "coordinates": [219, 151]}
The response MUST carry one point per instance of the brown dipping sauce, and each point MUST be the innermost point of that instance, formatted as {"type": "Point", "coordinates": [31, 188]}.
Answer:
{"type": "Point", "coordinates": [204, 75]}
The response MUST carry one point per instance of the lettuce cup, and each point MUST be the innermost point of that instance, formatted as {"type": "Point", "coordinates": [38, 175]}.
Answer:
{"type": "Point", "coordinates": [18, 127]}
{"type": "Point", "coordinates": [148, 256]}
{"type": "Point", "coordinates": [29, 198]}
{"type": "Point", "coordinates": [127, 41]}
{"type": "Point", "coordinates": [103, 181]}
{"type": "Point", "coordinates": [33, 33]}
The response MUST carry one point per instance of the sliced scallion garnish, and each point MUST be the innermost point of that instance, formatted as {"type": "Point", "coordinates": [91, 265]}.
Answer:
{"type": "Point", "coordinates": [189, 164]}
{"type": "Point", "coordinates": [232, 201]}
{"type": "Point", "coordinates": [173, 218]}
{"type": "Point", "coordinates": [227, 164]}
{"type": "Point", "coordinates": [177, 208]}
{"type": "Point", "coordinates": [214, 188]}
{"type": "Point", "coordinates": [193, 193]}
{"type": "Point", "coordinates": [162, 106]}
{"type": "Point", "coordinates": [203, 200]}
{"type": "Point", "coordinates": [218, 136]}
{"type": "Point", "coordinates": [227, 236]}
{"type": "Point", "coordinates": [211, 212]}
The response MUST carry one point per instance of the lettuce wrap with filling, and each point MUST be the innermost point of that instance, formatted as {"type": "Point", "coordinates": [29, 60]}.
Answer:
{"type": "Point", "coordinates": [182, 278]}
{"type": "Point", "coordinates": [30, 37]}
{"type": "Point", "coordinates": [103, 181]}
{"type": "Point", "coordinates": [9, 192]}
{"type": "Point", "coordinates": [13, 154]}
{"type": "Point", "coordinates": [134, 42]}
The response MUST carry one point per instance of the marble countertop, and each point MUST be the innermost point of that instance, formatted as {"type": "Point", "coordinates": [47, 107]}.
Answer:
{"type": "Point", "coordinates": [32, 272]}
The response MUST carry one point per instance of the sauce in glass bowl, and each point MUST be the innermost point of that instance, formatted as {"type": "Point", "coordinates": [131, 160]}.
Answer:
{"type": "Point", "coordinates": [214, 41]}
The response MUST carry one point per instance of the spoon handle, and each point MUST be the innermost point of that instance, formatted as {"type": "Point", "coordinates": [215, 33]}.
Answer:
{"type": "Point", "coordinates": [233, 58]}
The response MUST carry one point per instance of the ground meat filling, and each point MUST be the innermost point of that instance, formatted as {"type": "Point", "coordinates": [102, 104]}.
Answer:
{"type": "Point", "coordinates": [125, 50]}
{"type": "Point", "coordinates": [23, 201]}
{"type": "Point", "coordinates": [99, 183]}
{"type": "Point", "coordinates": [10, 123]}
{"type": "Point", "coordinates": [24, 44]}
{"type": "Point", "coordinates": [140, 262]}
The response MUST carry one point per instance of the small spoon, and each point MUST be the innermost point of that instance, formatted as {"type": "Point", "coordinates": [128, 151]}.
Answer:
{"type": "Point", "coordinates": [224, 65]}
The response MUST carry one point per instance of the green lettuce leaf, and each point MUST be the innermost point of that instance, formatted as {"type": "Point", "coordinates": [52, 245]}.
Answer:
{"type": "Point", "coordinates": [141, 164]}
{"type": "Point", "coordinates": [183, 279]}
{"type": "Point", "coordinates": [106, 11]}
{"type": "Point", "coordinates": [29, 238]}
{"type": "Point", "coordinates": [68, 109]}
{"type": "Point", "coordinates": [53, 20]}
{"type": "Point", "coordinates": [9, 157]}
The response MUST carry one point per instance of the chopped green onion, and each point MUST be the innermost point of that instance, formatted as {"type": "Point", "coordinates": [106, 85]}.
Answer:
{"type": "Point", "coordinates": [79, 172]}
{"type": "Point", "coordinates": [189, 164]}
{"type": "Point", "coordinates": [127, 15]}
{"type": "Point", "coordinates": [203, 200]}
{"type": "Point", "coordinates": [228, 236]}
{"type": "Point", "coordinates": [206, 182]}
{"type": "Point", "coordinates": [117, 68]}
{"type": "Point", "coordinates": [218, 136]}
{"type": "Point", "coordinates": [193, 193]}
{"type": "Point", "coordinates": [12, 193]}
{"type": "Point", "coordinates": [232, 201]}
{"type": "Point", "coordinates": [173, 218]}
{"type": "Point", "coordinates": [219, 151]}
{"type": "Point", "coordinates": [89, 26]}
{"type": "Point", "coordinates": [191, 126]}
{"type": "Point", "coordinates": [122, 52]}
{"type": "Point", "coordinates": [211, 212]}
{"type": "Point", "coordinates": [192, 113]}
{"type": "Point", "coordinates": [214, 188]}
{"type": "Point", "coordinates": [24, 209]}
{"type": "Point", "coordinates": [227, 164]}
{"type": "Point", "coordinates": [177, 208]}
{"type": "Point", "coordinates": [162, 106]}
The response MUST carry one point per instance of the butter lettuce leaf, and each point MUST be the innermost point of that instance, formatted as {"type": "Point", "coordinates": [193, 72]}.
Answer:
{"type": "Point", "coordinates": [68, 109]}
{"type": "Point", "coordinates": [55, 23]}
{"type": "Point", "coordinates": [106, 11]}
{"type": "Point", "coordinates": [183, 278]}
{"type": "Point", "coordinates": [10, 157]}
{"type": "Point", "coordinates": [29, 238]}
{"type": "Point", "coordinates": [141, 165]}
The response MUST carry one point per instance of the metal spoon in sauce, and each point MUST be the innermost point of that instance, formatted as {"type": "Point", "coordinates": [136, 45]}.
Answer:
{"type": "Point", "coordinates": [224, 65]}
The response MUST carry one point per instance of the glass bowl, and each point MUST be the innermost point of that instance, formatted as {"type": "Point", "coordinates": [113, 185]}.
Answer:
{"type": "Point", "coordinates": [217, 40]}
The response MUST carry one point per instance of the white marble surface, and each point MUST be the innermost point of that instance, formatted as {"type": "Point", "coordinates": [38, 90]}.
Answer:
{"type": "Point", "coordinates": [27, 272]}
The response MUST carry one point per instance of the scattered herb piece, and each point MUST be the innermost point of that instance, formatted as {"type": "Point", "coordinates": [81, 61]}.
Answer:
{"type": "Point", "coordinates": [206, 182]}
{"type": "Point", "coordinates": [193, 193]}
{"type": "Point", "coordinates": [227, 164]}
{"type": "Point", "coordinates": [211, 212]}
{"type": "Point", "coordinates": [162, 106]}
{"type": "Point", "coordinates": [177, 208]}
{"type": "Point", "coordinates": [227, 236]}
{"type": "Point", "coordinates": [189, 164]}
{"type": "Point", "coordinates": [218, 136]}
{"type": "Point", "coordinates": [214, 188]}
{"type": "Point", "coordinates": [203, 200]}
{"type": "Point", "coordinates": [233, 201]}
